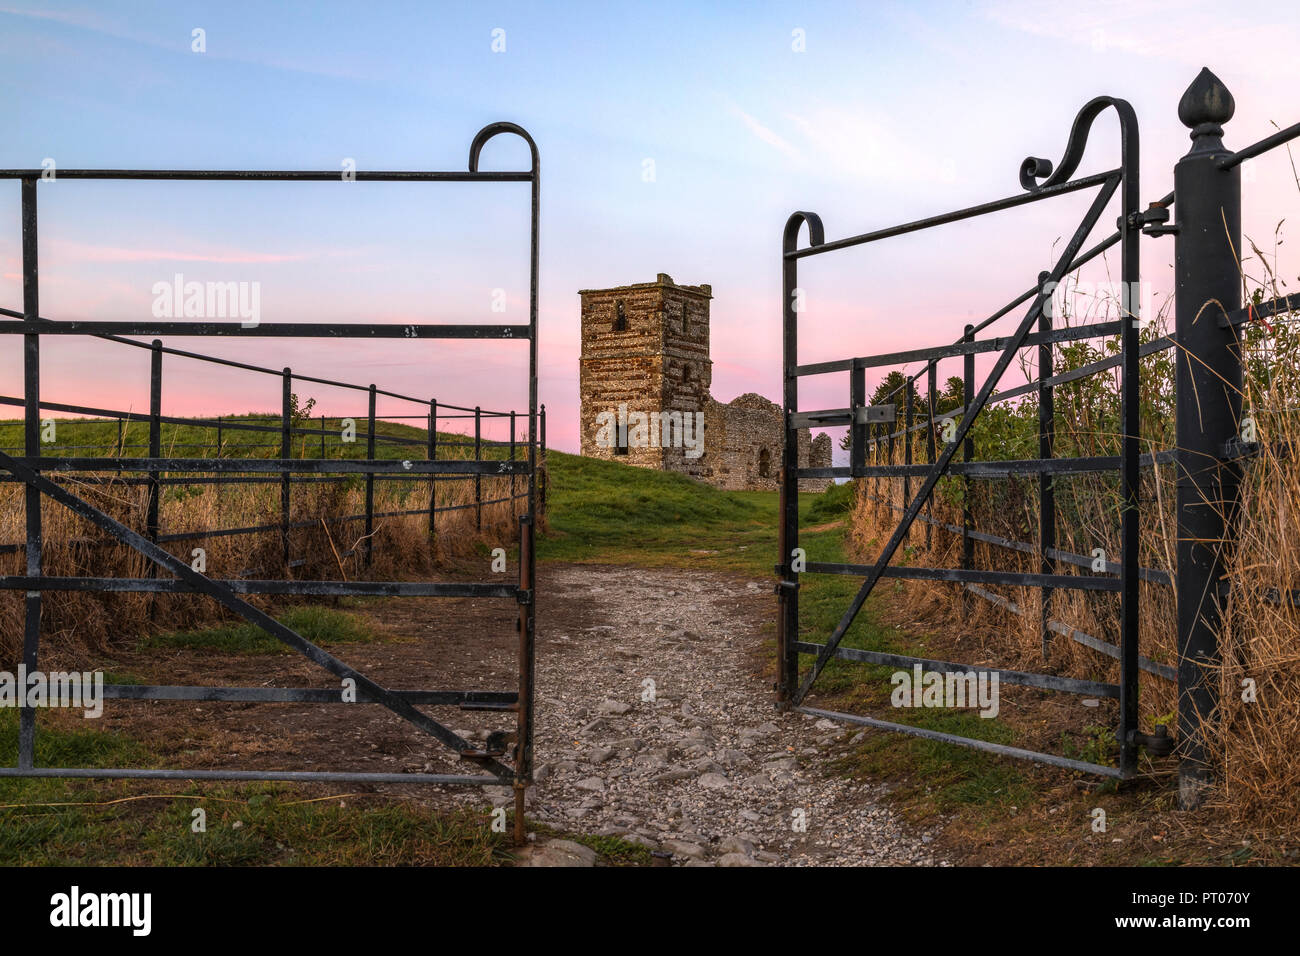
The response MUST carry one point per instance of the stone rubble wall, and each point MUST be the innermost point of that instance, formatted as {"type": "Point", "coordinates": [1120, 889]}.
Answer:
{"type": "Point", "coordinates": [660, 362]}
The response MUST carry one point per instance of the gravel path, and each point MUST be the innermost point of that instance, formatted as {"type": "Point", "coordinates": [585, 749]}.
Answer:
{"type": "Point", "coordinates": [655, 725]}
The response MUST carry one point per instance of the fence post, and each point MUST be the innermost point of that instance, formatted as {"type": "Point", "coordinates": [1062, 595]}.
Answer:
{"type": "Point", "coordinates": [967, 453]}
{"type": "Point", "coordinates": [1209, 381]}
{"type": "Point", "coordinates": [932, 377]}
{"type": "Point", "coordinates": [370, 478]}
{"type": "Point", "coordinates": [1046, 442]}
{"type": "Point", "coordinates": [155, 438]}
{"type": "Point", "coordinates": [908, 386]}
{"type": "Point", "coordinates": [322, 437]}
{"type": "Point", "coordinates": [512, 461]}
{"type": "Point", "coordinates": [478, 476]}
{"type": "Point", "coordinates": [433, 456]}
{"type": "Point", "coordinates": [286, 452]}
{"type": "Point", "coordinates": [890, 429]}
{"type": "Point", "coordinates": [545, 474]}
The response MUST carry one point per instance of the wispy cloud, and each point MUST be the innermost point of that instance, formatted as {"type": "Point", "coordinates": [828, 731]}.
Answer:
{"type": "Point", "coordinates": [90, 252]}
{"type": "Point", "coordinates": [1177, 30]}
{"type": "Point", "coordinates": [763, 133]}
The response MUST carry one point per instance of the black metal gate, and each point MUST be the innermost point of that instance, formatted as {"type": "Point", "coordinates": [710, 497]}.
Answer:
{"type": "Point", "coordinates": [46, 476]}
{"type": "Point", "coordinates": [1208, 353]}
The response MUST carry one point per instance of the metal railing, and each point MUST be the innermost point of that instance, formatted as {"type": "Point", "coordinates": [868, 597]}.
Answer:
{"type": "Point", "coordinates": [1207, 449]}
{"type": "Point", "coordinates": [42, 475]}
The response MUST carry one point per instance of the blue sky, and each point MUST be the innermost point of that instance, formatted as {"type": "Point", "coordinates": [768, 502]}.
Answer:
{"type": "Point", "coordinates": [889, 112]}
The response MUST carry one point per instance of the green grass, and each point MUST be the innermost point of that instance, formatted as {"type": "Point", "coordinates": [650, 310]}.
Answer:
{"type": "Point", "coordinates": [320, 625]}
{"type": "Point", "coordinates": [599, 512]}
{"type": "Point", "coordinates": [950, 776]}
{"type": "Point", "coordinates": [61, 822]}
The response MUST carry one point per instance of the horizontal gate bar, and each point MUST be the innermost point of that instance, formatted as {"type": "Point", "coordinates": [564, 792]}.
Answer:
{"type": "Point", "coordinates": [360, 466]}
{"type": "Point", "coordinates": [1263, 146]}
{"type": "Point", "coordinates": [1263, 310]}
{"type": "Point", "coordinates": [1150, 575]}
{"type": "Point", "coordinates": [1069, 685]}
{"type": "Point", "coordinates": [1083, 371]}
{"type": "Point", "coordinates": [285, 776]}
{"type": "Point", "coordinates": [1113, 239]}
{"type": "Point", "coordinates": [1076, 635]}
{"type": "Point", "coordinates": [1000, 749]}
{"type": "Point", "coordinates": [1075, 582]}
{"type": "Point", "coordinates": [993, 469]}
{"type": "Point", "coordinates": [231, 363]}
{"type": "Point", "coordinates": [240, 586]}
{"type": "Point", "coordinates": [280, 175]}
{"type": "Point", "coordinates": [323, 330]}
{"type": "Point", "coordinates": [1066, 334]}
{"type": "Point", "coordinates": [265, 528]}
{"type": "Point", "coordinates": [299, 695]}
{"type": "Point", "coordinates": [1010, 202]}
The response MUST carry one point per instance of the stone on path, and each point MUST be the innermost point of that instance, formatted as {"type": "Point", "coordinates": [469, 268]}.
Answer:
{"type": "Point", "coordinates": [556, 853]}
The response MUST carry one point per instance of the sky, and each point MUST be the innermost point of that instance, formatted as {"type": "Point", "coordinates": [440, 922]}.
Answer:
{"type": "Point", "coordinates": [674, 137]}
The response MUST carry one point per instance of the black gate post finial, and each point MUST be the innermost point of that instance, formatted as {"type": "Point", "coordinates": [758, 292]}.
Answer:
{"type": "Point", "coordinates": [1209, 390]}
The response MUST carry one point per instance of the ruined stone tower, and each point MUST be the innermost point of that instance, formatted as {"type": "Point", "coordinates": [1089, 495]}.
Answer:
{"type": "Point", "coordinates": [645, 348]}
{"type": "Point", "coordinates": [645, 352]}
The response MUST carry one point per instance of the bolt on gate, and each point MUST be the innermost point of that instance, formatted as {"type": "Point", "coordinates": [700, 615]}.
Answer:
{"type": "Point", "coordinates": [1207, 458]}
{"type": "Point", "coordinates": [47, 477]}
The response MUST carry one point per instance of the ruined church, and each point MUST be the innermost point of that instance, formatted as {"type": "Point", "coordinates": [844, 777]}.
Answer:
{"type": "Point", "coordinates": [644, 378]}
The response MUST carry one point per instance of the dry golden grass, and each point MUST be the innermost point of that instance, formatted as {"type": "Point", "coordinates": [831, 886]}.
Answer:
{"type": "Point", "coordinates": [1255, 744]}
{"type": "Point", "coordinates": [74, 623]}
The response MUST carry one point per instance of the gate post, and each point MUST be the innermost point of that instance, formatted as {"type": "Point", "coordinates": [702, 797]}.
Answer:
{"type": "Point", "coordinates": [286, 452]}
{"type": "Point", "coordinates": [1209, 381]}
{"type": "Point", "coordinates": [787, 587]}
{"type": "Point", "coordinates": [32, 449]}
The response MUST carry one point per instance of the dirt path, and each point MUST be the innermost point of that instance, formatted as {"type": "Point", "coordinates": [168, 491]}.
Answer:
{"type": "Point", "coordinates": [707, 770]}
{"type": "Point", "coordinates": [703, 768]}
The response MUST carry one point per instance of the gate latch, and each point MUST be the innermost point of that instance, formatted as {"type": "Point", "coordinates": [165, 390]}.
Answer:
{"type": "Point", "coordinates": [872, 414]}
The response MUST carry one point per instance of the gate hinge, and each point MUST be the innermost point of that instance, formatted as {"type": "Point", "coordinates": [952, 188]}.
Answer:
{"type": "Point", "coordinates": [1160, 744]}
{"type": "Point", "coordinates": [1154, 221]}
{"type": "Point", "coordinates": [523, 596]}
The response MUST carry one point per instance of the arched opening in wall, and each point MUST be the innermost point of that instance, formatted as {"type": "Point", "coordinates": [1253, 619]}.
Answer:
{"type": "Point", "coordinates": [686, 374]}
{"type": "Point", "coordinates": [764, 463]}
{"type": "Point", "coordinates": [620, 317]}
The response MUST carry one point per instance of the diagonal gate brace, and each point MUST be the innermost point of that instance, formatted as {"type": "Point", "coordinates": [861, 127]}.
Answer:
{"type": "Point", "coordinates": [225, 596]}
